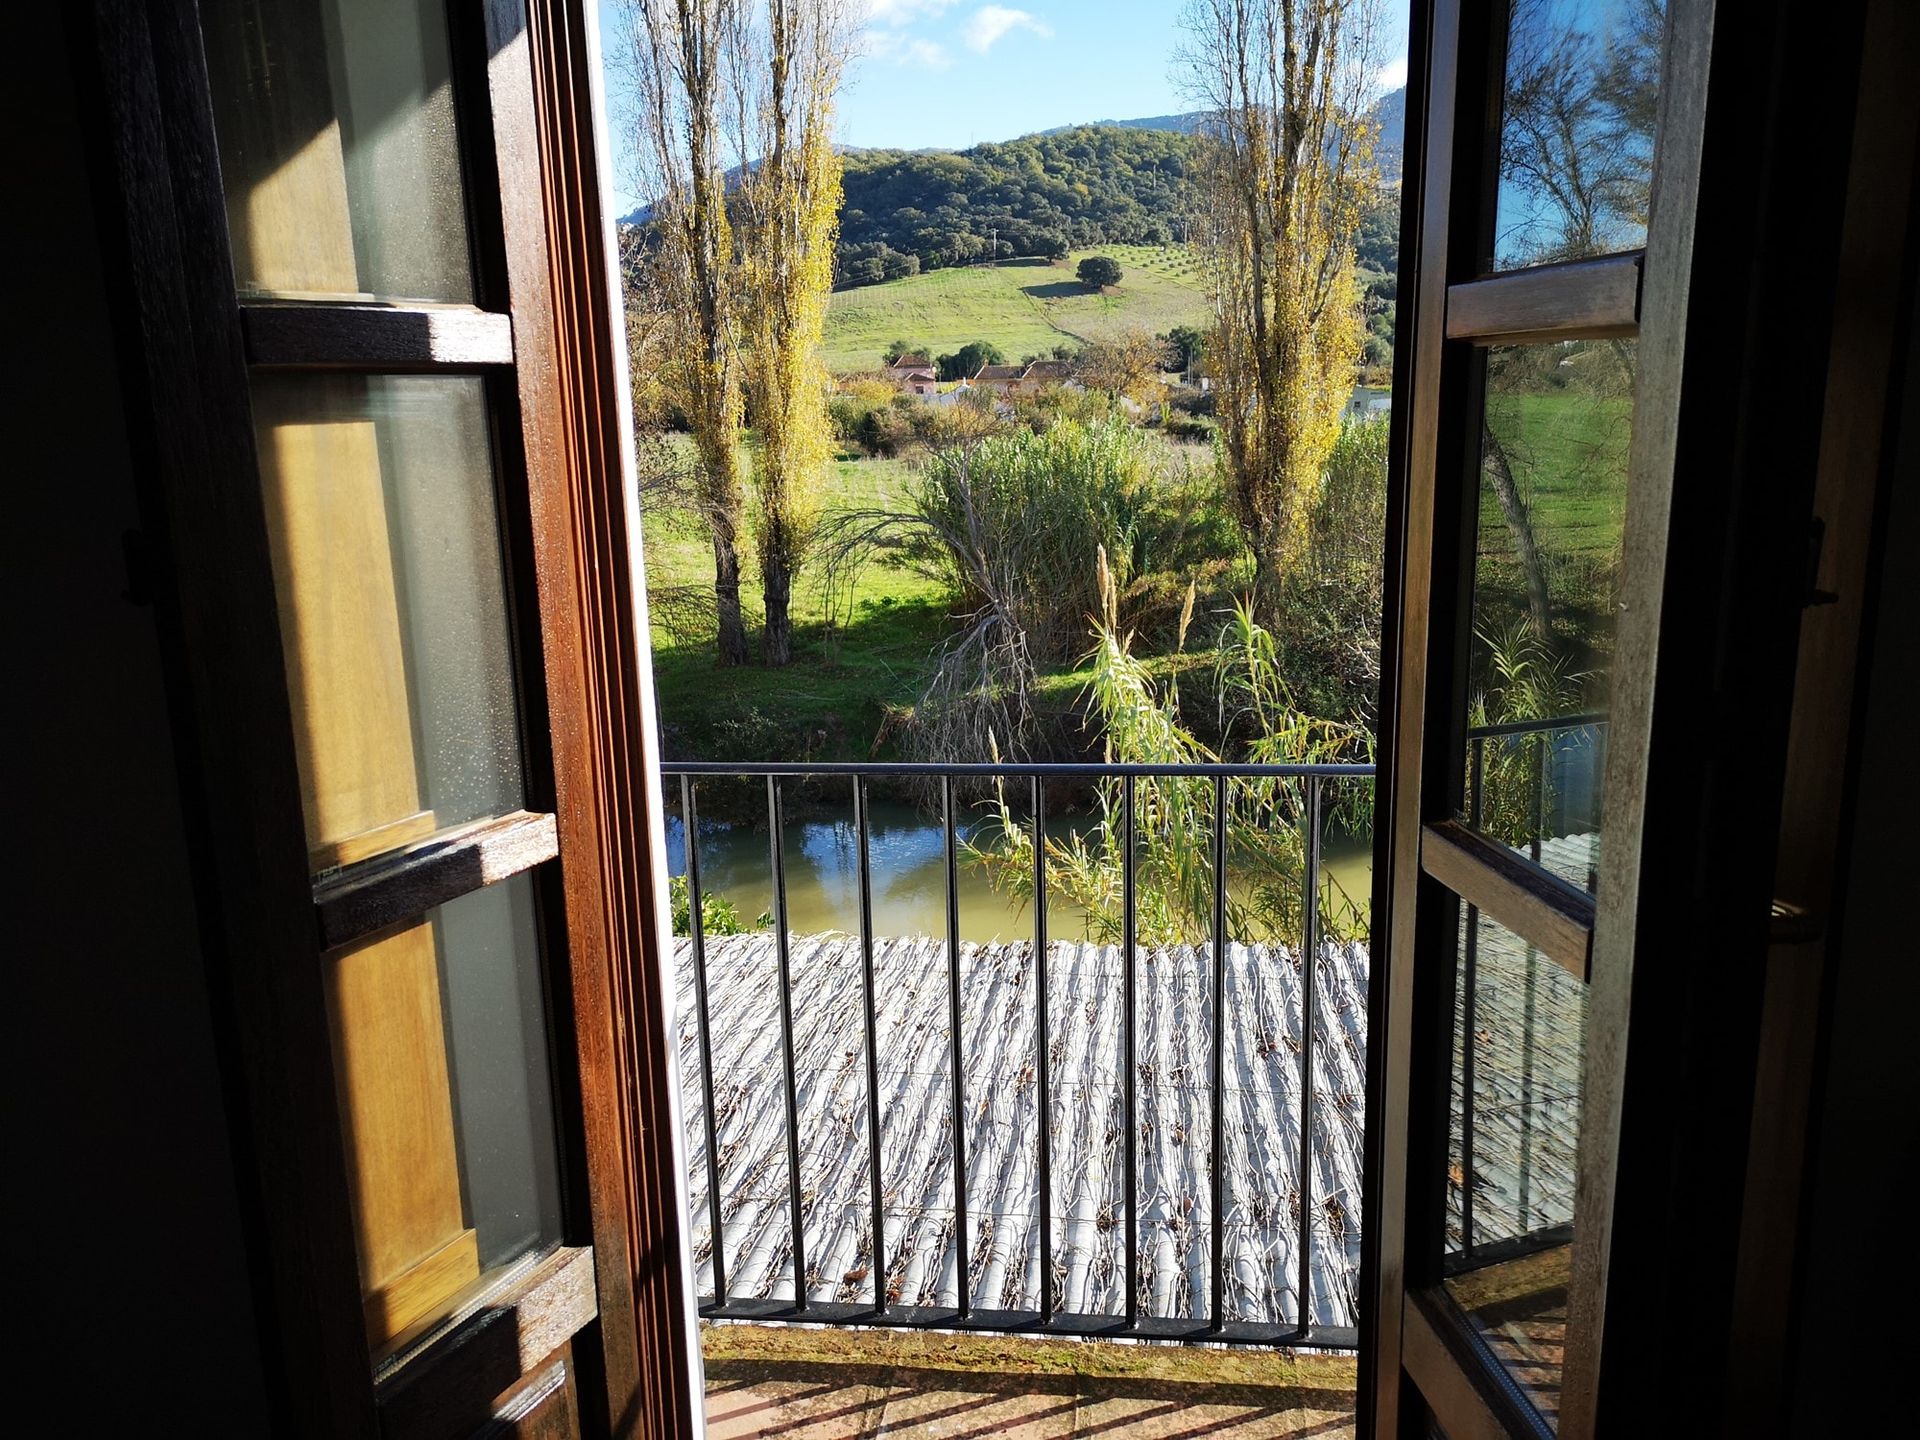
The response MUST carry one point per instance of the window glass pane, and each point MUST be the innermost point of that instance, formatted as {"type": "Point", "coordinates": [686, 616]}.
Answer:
{"type": "Point", "coordinates": [440, 1056]}
{"type": "Point", "coordinates": [1519, 1025]}
{"type": "Point", "coordinates": [337, 147]}
{"type": "Point", "coordinates": [1576, 135]}
{"type": "Point", "coordinates": [1553, 486]}
{"type": "Point", "coordinates": [393, 612]}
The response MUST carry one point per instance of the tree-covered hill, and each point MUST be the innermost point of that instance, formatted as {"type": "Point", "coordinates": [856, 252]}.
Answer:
{"type": "Point", "coordinates": [1042, 195]}
{"type": "Point", "coordinates": [1111, 183]}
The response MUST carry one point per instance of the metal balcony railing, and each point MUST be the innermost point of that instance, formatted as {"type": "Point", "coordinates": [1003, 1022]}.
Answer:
{"type": "Point", "coordinates": [1222, 1322]}
{"type": "Point", "coordinates": [1049, 1317]}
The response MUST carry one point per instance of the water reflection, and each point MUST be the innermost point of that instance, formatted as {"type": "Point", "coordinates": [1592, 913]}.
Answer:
{"type": "Point", "coordinates": [906, 852]}
{"type": "Point", "coordinates": [906, 849]}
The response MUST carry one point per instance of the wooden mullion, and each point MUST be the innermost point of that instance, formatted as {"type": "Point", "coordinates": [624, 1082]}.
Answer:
{"type": "Point", "coordinates": [1578, 300]}
{"type": "Point", "coordinates": [354, 902]}
{"type": "Point", "coordinates": [592, 610]}
{"type": "Point", "coordinates": [425, 339]}
{"type": "Point", "coordinates": [1506, 887]}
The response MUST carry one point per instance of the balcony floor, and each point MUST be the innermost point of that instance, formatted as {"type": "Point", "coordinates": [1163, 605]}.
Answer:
{"type": "Point", "coordinates": [839, 1384]}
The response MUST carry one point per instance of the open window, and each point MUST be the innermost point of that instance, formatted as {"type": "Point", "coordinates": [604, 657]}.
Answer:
{"type": "Point", "coordinates": [366, 314]}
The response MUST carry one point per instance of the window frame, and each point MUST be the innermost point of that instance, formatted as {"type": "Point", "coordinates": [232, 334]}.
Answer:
{"type": "Point", "coordinates": [545, 336]}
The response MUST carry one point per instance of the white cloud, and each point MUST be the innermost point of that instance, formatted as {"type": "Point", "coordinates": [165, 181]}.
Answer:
{"type": "Point", "coordinates": [889, 45]}
{"type": "Point", "coordinates": [1392, 75]}
{"type": "Point", "coordinates": [992, 22]}
{"type": "Point", "coordinates": [925, 52]}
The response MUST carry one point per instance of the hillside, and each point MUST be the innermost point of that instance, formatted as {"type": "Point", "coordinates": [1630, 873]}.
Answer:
{"type": "Point", "coordinates": [1026, 307]}
{"type": "Point", "coordinates": [1043, 195]}
{"type": "Point", "coordinates": [1114, 182]}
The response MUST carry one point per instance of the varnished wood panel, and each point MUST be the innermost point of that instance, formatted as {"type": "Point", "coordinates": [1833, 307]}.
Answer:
{"type": "Point", "coordinates": [396, 1102]}
{"type": "Point", "coordinates": [424, 1288]}
{"type": "Point", "coordinates": [421, 338]}
{"type": "Point", "coordinates": [357, 901]}
{"type": "Point", "coordinates": [339, 608]}
{"type": "Point", "coordinates": [1541, 909]}
{"type": "Point", "coordinates": [1580, 300]}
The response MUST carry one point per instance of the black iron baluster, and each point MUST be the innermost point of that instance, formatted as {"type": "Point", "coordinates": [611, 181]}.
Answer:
{"type": "Point", "coordinates": [953, 1021]}
{"type": "Point", "coordinates": [1539, 792]}
{"type": "Point", "coordinates": [1219, 1078]}
{"type": "Point", "coordinates": [1470, 985]}
{"type": "Point", "coordinates": [1042, 1046]}
{"type": "Point", "coordinates": [690, 824]}
{"type": "Point", "coordinates": [1129, 1079]}
{"type": "Point", "coordinates": [873, 1043]}
{"type": "Point", "coordinates": [1311, 906]}
{"type": "Point", "coordinates": [776, 820]}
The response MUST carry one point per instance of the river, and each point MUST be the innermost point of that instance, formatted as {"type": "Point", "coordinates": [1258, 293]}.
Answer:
{"type": "Point", "coordinates": [906, 852]}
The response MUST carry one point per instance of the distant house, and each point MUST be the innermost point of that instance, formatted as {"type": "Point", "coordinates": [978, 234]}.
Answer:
{"type": "Point", "coordinates": [913, 375]}
{"type": "Point", "coordinates": [1023, 379]}
{"type": "Point", "coordinates": [1367, 402]}
{"type": "Point", "coordinates": [1001, 379]}
{"type": "Point", "coordinates": [1048, 372]}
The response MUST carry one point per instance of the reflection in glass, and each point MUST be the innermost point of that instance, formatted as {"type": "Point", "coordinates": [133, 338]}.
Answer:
{"type": "Point", "coordinates": [440, 1059]}
{"type": "Point", "coordinates": [1576, 135]}
{"type": "Point", "coordinates": [1519, 1028]}
{"type": "Point", "coordinates": [393, 613]}
{"type": "Point", "coordinates": [1552, 502]}
{"type": "Point", "coordinates": [337, 147]}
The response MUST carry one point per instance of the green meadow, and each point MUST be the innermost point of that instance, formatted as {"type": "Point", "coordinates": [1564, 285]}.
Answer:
{"type": "Point", "coordinates": [1026, 307]}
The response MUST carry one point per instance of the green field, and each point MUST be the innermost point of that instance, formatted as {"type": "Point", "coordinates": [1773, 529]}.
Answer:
{"type": "Point", "coordinates": [1026, 307]}
{"type": "Point", "coordinates": [1568, 452]}
{"type": "Point", "coordinates": [832, 699]}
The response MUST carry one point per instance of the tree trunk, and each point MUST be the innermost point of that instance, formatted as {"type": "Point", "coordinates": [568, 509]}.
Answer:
{"type": "Point", "coordinates": [1519, 524]}
{"type": "Point", "coordinates": [726, 597]}
{"type": "Point", "coordinates": [776, 587]}
{"type": "Point", "coordinates": [1269, 566]}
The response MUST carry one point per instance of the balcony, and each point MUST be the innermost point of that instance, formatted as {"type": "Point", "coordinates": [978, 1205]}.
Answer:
{"type": "Point", "coordinates": [819, 1113]}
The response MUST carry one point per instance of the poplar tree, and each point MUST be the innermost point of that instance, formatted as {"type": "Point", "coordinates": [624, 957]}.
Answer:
{"type": "Point", "coordinates": [789, 211]}
{"type": "Point", "coordinates": [1284, 160]}
{"type": "Point", "coordinates": [680, 56]}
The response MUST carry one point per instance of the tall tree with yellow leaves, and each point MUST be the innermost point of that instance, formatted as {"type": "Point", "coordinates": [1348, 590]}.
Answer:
{"type": "Point", "coordinates": [789, 218]}
{"type": "Point", "coordinates": [1285, 163]}
{"type": "Point", "coordinates": [680, 59]}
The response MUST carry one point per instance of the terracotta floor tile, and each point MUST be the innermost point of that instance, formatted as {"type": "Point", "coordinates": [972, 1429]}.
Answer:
{"type": "Point", "coordinates": [803, 1410]}
{"type": "Point", "coordinates": [1167, 1418]}
{"type": "Point", "coordinates": [956, 1409]}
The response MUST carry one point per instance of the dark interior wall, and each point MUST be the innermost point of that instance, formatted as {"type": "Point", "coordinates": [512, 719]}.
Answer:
{"type": "Point", "coordinates": [1856, 1307]}
{"type": "Point", "coordinates": [120, 1185]}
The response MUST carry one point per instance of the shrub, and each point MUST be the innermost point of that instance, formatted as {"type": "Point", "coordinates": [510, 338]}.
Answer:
{"type": "Point", "coordinates": [1096, 272]}
{"type": "Point", "coordinates": [1012, 522]}
{"type": "Point", "coordinates": [717, 913]}
{"type": "Point", "coordinates": [1173, 819]}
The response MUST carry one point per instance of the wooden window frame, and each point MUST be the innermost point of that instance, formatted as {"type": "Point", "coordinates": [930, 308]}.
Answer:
{"type": "Point", "coordinates": [1721, 472]}
{"type": "Point", "coordinates": [590, 835]}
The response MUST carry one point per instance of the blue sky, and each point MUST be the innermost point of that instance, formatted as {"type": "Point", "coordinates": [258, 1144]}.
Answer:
{"type": "Point", "coordinates": [950, 73]}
